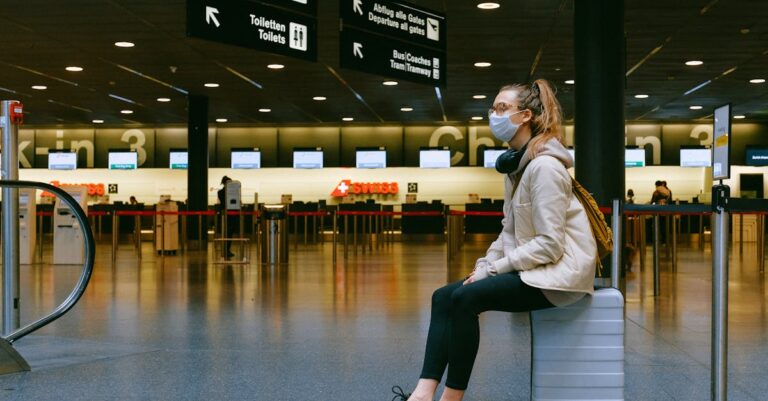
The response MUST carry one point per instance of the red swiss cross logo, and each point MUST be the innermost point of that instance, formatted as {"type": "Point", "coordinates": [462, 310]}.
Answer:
{"type": "Point", "coordinates": [342, 189]}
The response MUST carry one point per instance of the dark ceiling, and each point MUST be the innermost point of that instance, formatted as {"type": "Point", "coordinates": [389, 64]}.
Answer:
{"type": "Point", "coordinates": [39, 38]}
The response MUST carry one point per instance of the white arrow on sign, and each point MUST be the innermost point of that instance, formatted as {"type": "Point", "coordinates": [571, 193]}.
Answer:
{"type": "Point", "coordinates": [357, 6]}
{"type": "Point", "coordinates": [357, 49]}
{"type": "Point", "coordinates": [210, 14]}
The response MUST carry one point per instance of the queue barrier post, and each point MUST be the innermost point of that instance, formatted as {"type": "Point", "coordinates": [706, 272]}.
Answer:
{"type": "Point", "coordinates": [334, 229]}
{"type": "Point", "coordinates": [719, 363]}
{"type": "Point", "coordinates": [656, 278]}
{"type": "Point", "coordinates": [761, 241]}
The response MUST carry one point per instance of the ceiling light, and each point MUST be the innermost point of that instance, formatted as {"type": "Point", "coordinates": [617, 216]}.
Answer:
{"type": "Point", "coordinates": [479, 97]}
{"type": "Point", "coordinates": [570, 82]}
{"type": "Point", "coordinates": [482, 64]}
{"type": "Point", "coordinates": [126, 111]}
{"type": "Point", "coordinates": [163, 99]}
{"type": "Point", "coordinates": [74, 68]}
{"type": "Point", "coordinates": [694, 62]}
{"type": "Point", "coordinates": [275, 66]}
{"type": "Point", "coordinates": [319, 98]}
{"type": "Point", "coordinates": [739, 117]}
{"type": "Point", "coordinates": [39, 87]}
{"type": "Point", "coordinates": [477, 118]}
{"type": "Point", "coordinates": [757, 81]}
{"type": "Point", "coordinates": [265, 110]}
{"type": "Point", "coordinates": [406, 109]}
{"type": "Point", "coordinates": [389, 83]}
{"type": "Point", "coordinates": [696, 107]}
{"type": "Point", "coordinates": [211, 85]}
{"type": "Point", "coordinates": [488, 6]}
{"type": "Point", "coordinates": [124, 44]}
{"type": "Point", "coordinates": [98, 121]}
{"type": "Point", "coordinates": [641, 96]}
{"type": "Point", "coordinates": [347, 119]}
{"type": "Point", "coordinates": [221, 120]}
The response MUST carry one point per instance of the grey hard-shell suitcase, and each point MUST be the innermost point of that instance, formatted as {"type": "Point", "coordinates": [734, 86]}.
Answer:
{"type": "Point", "coordinates": [577, 351]}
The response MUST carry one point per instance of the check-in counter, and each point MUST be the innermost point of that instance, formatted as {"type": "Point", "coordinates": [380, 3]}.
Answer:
{"type": "Point", "coordinates": [415, 224]}
{"type": "Point", "coordinates": [483, 224]}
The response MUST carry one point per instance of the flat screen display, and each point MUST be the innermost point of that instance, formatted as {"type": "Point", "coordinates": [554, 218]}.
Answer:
{"type": "Point", "coordinates": [695, 157]}
{"type": "Point", "coordinates": [123, 160]}
{"type": "Point", "coordinates": [756, 156]}
{"type": "Point", "coordinates": [178, 160]}
{"type": "Point", "coordinates": [435, 158]}
{"type": "Point", "coordinates": [634, 157]}
{"type": "Point", "coordinates": [62, 160]}
{"type": "Point", "coordinates": [370, 158]}
{"type": "Point", "coordinates": [245, 159]}
{"type": "Point", "coordinates": [307, 159]}
{"type": "Point", "coordinates": [721, 149]}
{"type": "Point", "coordinates": [490, 156]}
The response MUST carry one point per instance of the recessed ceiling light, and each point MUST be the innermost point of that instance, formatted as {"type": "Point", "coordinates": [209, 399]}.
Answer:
{"type": "Point", "coordinates": [488, 6]}
{"type": "Point", "coordinates": [477, 118]}
{"type": "Point", "coordinates": [482, 64]}
{"type": "Point", "coordinates": [98, 121]}
{"type": "Point", "coordinates": [757, 81]}
{"type": "Point", "coordinates": [39, 87]}
{"type": "Point", "coordinates": [221, 120]}
{"type": "Point", "coordinates": [211, 85]}
{"type": "Point", "coordinates": [275, 66]}
{"type": "Point", "coordinates": [570, 82]}
{"type": "Point", "coordinates": [74, 68]}
{"type": "Point", "coordinates": [389, 83]}
{"type": "Point", "coordinates": [347, 119]}
{"type": "Point", "coordinates": [641, 96]}
{"type": "Point", "coordinates": [479, 97]}
{"type": "Point", "coordinates": [124, 44]}
{"type": "Point", "coordinates": [265, 110]}
{"type": "Point", "coordinates": [406, 109]}
{"type": "Point", "coordinates": [319, 98]}
{"type": "Point", "coordinates": [739, 117]}
{"type": "Point", "coordinates": [694, 62]}
{"type": "Point", "coordinates": [126, 111]}
{"type": "Point", "coordinates": [163, 99]}
{"type": "Point", "coordinates": [696, 107]}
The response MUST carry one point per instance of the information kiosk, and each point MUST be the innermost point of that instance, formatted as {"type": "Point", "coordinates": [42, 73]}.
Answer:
{"type": "Point", "coordinates": [166, 225]}
{"type": "Point", "coordinates": [27, 225]}
{"type": "Point", "coordinates": [68, 246]}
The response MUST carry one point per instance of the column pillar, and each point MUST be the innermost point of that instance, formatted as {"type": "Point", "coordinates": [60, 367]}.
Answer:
{"type": "Point", "coordinates": [197, 169]}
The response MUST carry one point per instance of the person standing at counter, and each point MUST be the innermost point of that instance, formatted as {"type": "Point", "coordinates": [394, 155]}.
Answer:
{"type": "Point", "coordinates": [545, 255]}
{"type": "Point", "coordinates": [661, 195]}
{"type": "Point", "coordinates": [232, 221]}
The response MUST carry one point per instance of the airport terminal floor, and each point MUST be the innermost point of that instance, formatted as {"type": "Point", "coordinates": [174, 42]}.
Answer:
{"type": "Point", "coordinates": [183, 328]}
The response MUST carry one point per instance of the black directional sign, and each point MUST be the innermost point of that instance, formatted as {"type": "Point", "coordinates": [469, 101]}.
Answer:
{"type": "Point", "coordinates": [303, 6]}
{"type": "Point", "coordinates": [256, 26]}
{"type": "Point", "coordinates": [369, 53]}
{"type": "Point", "coordinates": [395, 39]}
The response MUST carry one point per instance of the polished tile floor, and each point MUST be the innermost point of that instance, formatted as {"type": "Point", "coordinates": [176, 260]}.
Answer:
{"type": "Point", "coordinates": [183, 328]}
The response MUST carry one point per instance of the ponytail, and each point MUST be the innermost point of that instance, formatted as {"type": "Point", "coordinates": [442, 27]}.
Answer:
{"type": "Point", "coordinates": [539, 97]}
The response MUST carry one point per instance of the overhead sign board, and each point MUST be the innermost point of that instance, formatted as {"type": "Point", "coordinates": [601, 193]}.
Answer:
{"type": "Point", "coordinates": [394, 39]}
{"type": "Point", "coordinates": [366, 52]}
{"type": "Point", "coordinates": [254, 25]}
{"type": "Point", "coordinates": [302, 6]}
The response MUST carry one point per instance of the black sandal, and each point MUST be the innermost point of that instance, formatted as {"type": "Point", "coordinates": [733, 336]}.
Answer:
{"type": "Point", "coordinates": [399, 394]}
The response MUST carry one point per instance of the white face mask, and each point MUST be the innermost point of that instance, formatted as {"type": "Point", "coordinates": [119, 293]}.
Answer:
{"type": "Point", "coordinates": [502, 127]}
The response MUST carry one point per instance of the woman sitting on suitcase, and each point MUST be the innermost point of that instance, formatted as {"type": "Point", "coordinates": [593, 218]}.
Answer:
{"type": "Point", "coordinates": [545, 255]}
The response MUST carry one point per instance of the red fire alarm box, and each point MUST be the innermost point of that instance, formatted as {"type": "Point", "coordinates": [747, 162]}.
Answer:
{"type": "Point", "coordinates": [16, 113]}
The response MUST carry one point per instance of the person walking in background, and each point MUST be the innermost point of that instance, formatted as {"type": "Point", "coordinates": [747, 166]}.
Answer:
{"type": "Point", "coordinates": [544, 256]}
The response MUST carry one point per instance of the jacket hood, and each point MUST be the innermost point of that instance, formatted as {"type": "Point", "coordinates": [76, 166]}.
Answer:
{"type": "Point", "coordinates": [553, 148]}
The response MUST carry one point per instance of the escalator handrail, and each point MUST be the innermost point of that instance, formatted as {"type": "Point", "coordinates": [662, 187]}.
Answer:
{"type": "Point", "coordinates": [90, 253]}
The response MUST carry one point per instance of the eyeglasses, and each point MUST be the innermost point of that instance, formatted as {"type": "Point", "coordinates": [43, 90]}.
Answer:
{"type": "Point", "coordinates": [500, 108]}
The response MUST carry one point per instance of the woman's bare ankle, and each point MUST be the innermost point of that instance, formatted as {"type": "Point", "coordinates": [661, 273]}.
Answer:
{"type": "Point", "coordinates": [425, 390]}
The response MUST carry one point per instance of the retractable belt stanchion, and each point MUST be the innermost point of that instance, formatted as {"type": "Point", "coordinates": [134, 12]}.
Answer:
{"type": "Point", "coordinates": [741, 234]}
{"type": "Point", "coordinates": [335, 231]}
{"type": "Point", "coordinates": [656, 278]}
{"type": "Point", "coordinates": [674, 219]}
{"type": "Point", "coordinates": [114, 237]}
{"type": "Point", "coordinates": [761, 242]}
{"type": "Point", "coordinates": [720, 194]}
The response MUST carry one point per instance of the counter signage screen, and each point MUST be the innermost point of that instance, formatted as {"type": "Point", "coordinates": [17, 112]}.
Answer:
{"type": "Point", "coordinates": [721, 162]}
{"type": "Point", "coordinates": [62, 160]}
{"type": "Point", "coordinates": [245, 159]}
{"type": "Point", "coordinates": [371, 158]}
{"type": "Point", "coordinates": [698, 157]}
{"type": "Point", "coordinates": [179, 159]}
{"type": "Point", "coordinates": [756, 156]}
{"type": "Point", "coordinates": [634, 157]}
{"type": "Point", "coordinates": [308, 158]}
{"type": "Point", "coordinates": [490, 156]}
{"type": "Point", "coordinates": [434, 158]}
{"type": "Point", "coordinates": [123, 160]}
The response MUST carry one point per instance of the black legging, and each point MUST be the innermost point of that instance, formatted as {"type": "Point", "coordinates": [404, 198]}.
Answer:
{"type": "Point", "coordinates": [454, 331]}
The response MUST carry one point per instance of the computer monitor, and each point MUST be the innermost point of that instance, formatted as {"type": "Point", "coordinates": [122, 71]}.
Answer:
{"type": "Point", "coordinates": [490, 155]}
{"type": "Point", "coordinates": [695, 157]}
{"type": "Point", "coordinates": [308, 158]}
{"type": "Point", "coordinates": [434, 158]}
{"type": "Point", "coordinates": [178, 159]}
{"type": "Point", "coordinates": [371, 158]}
{"type": "Point", "coordinates": [756, 155]}
{"type": "Point", "coordinates": [123, 159]}
{"type": "Point", "coordinates": [249, 158]}
{"type": "Point", "coordinates": [62, 160]}
{"type": "Point", "coordinates": [634, 157]}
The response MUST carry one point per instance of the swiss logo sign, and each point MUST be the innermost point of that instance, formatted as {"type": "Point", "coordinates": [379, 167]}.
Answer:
{"type": "Point", "coordinates": [347, 187]}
